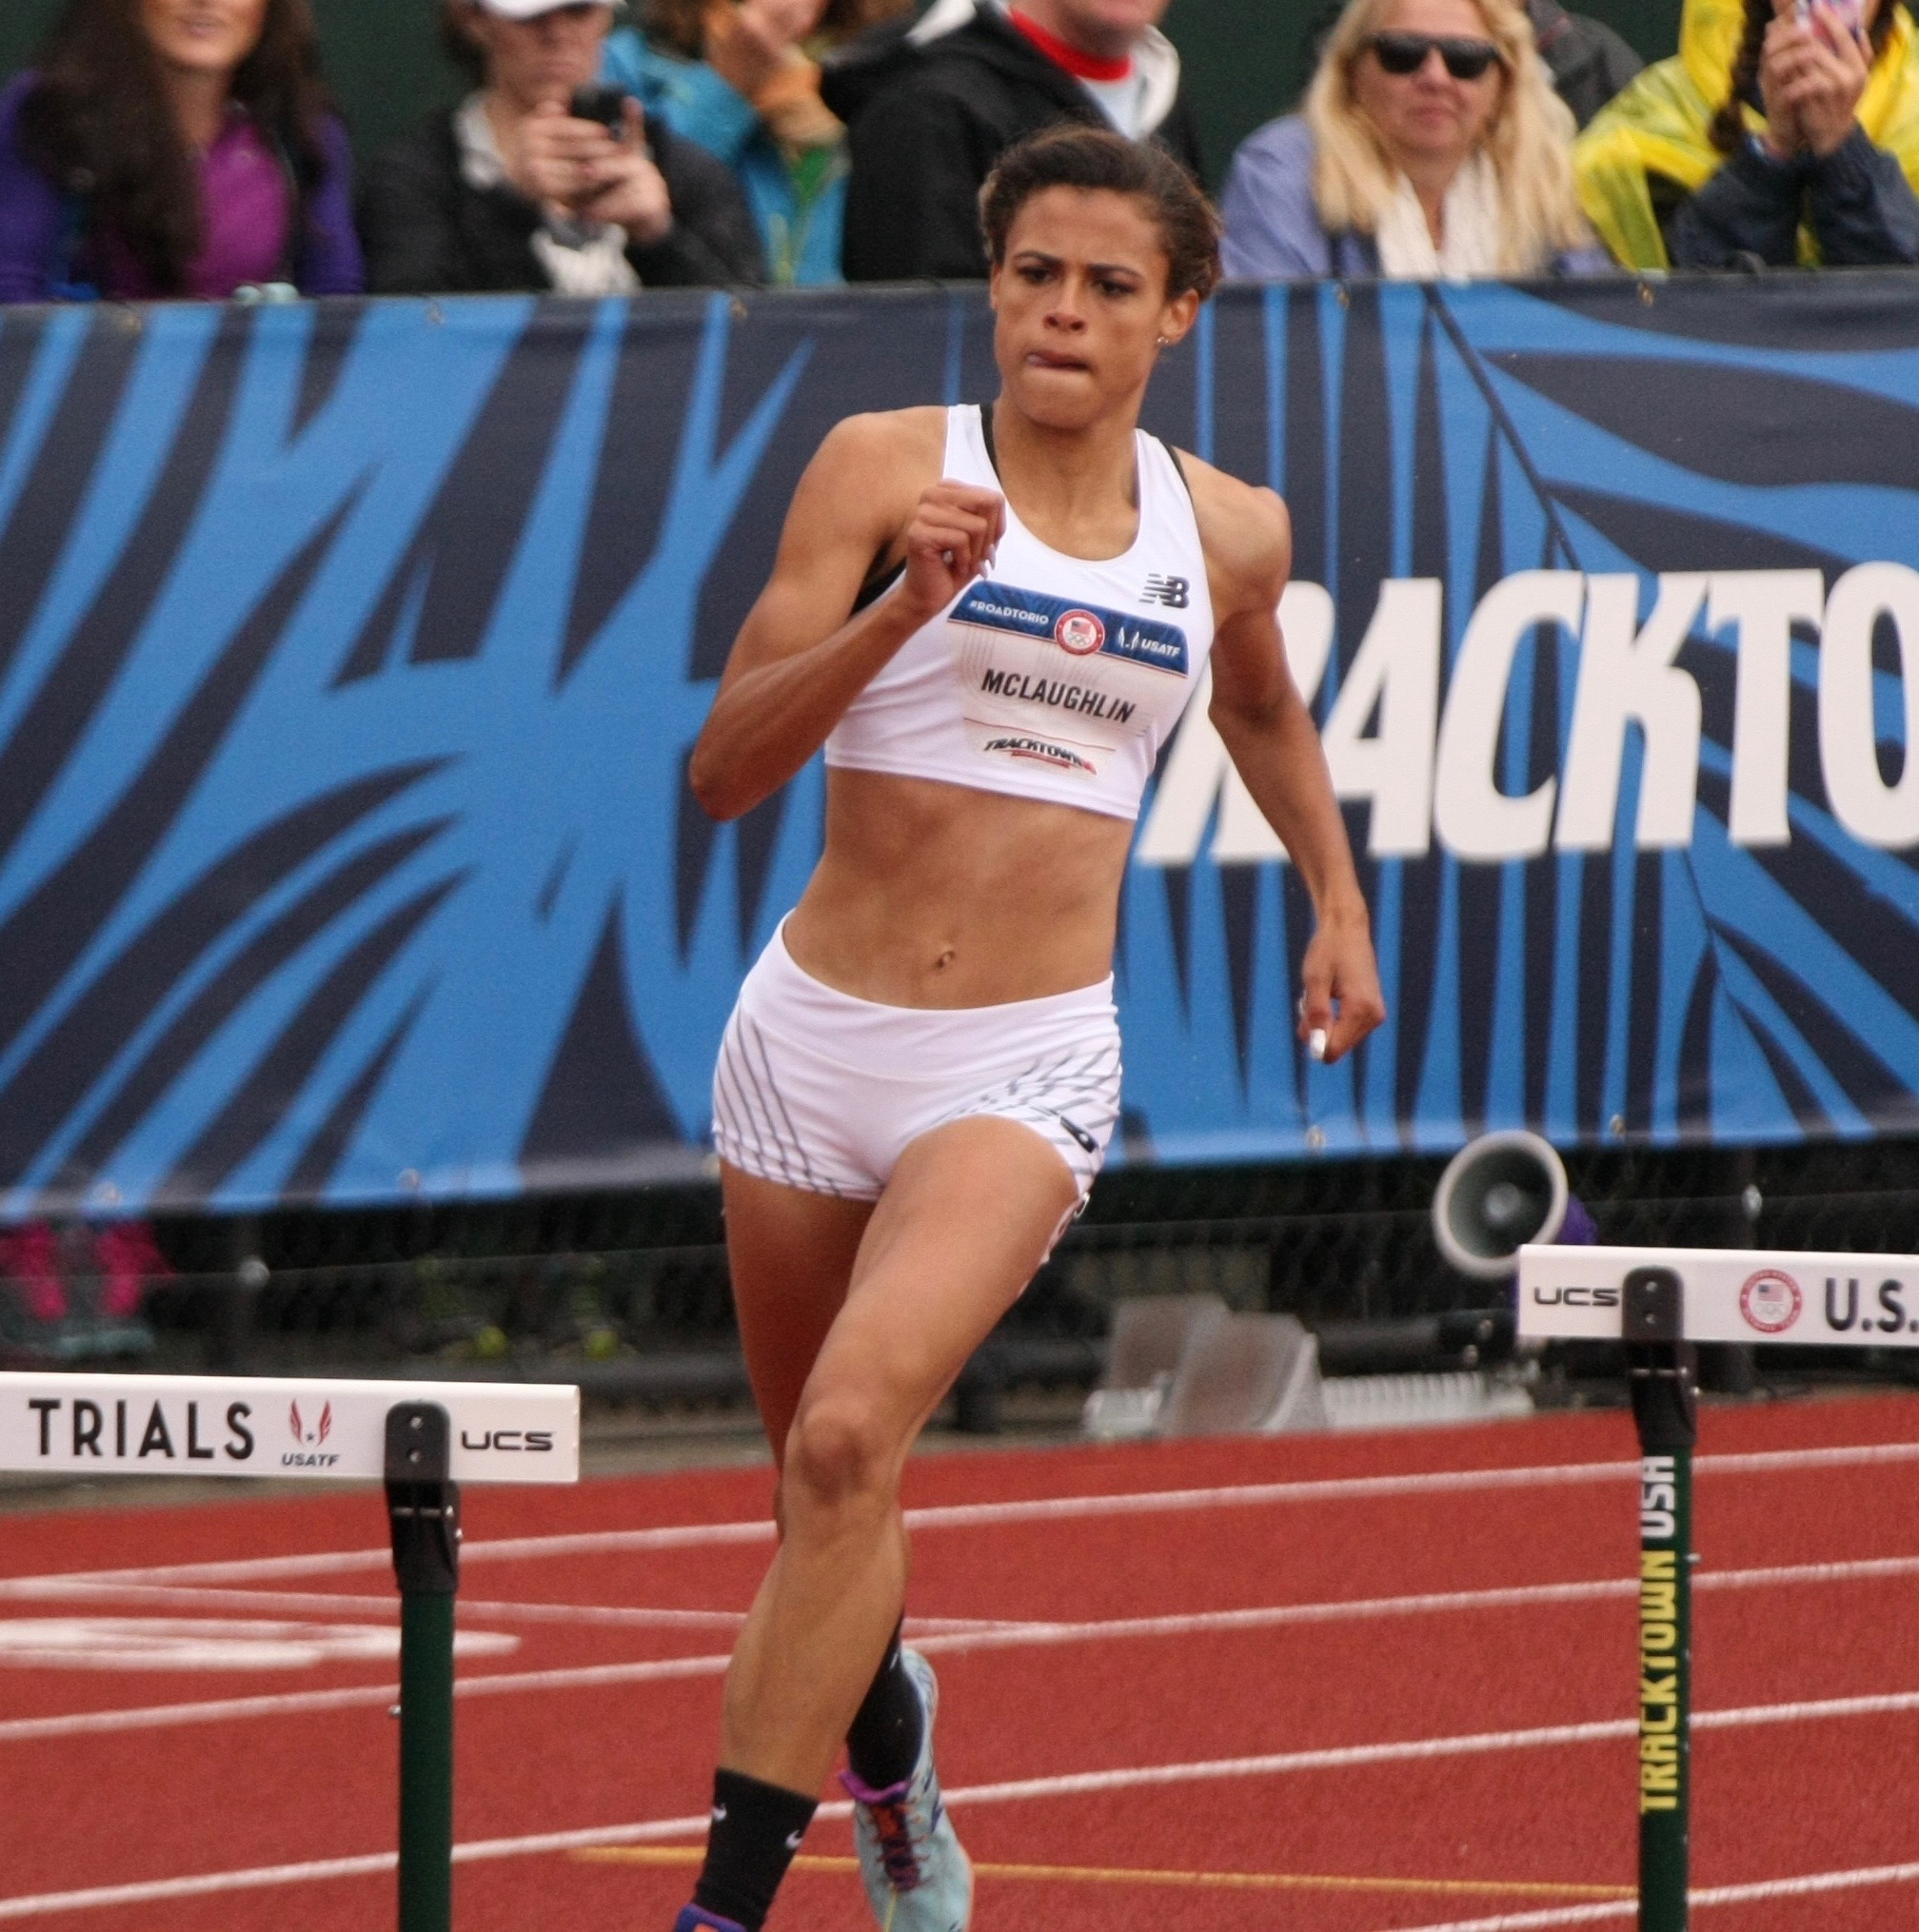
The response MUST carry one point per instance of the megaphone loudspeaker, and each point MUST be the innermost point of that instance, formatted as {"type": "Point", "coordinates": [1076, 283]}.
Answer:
{"type": "Point", "coordinates": [1499, 1192]}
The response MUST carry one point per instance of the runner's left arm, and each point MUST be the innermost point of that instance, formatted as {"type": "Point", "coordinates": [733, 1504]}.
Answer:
{"type": "Point", "coordinates": [1270, 736]}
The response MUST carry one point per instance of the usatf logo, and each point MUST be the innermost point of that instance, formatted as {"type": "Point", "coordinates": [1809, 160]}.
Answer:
{"type": "Point", "coordinates": [1079, 632]}
{"type": "Point", "coordinates": [1771, 1302]}
{"type": "Point", "coordinates": [1171, 591]}
{"type": "Point", "coordinates": [311, 1438]}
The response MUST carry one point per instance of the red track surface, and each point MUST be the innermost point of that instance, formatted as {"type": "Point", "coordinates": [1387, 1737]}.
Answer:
{"type": "Point", "coordinates": [1775, 1799]}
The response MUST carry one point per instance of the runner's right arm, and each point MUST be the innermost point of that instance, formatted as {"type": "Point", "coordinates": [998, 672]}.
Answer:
{"type": "Point", "coordinates": [799, 660]}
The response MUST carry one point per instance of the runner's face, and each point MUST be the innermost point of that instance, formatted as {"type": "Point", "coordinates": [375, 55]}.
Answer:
{"type": "Point", "coordinates": [1080, 304]}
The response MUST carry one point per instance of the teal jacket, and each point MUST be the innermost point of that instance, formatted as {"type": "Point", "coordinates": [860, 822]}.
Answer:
{"type": "Point", "coordinates": [799, 211]}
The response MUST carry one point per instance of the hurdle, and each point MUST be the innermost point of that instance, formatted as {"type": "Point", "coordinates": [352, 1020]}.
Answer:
{"type": "Point", "coordinates": [421, 1440]}
{"type": "Point", "coordinates": [1662, 1303]}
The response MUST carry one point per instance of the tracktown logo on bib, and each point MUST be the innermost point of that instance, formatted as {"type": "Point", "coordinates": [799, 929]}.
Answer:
{"type": "Point", "coordinates": [1771, 1302]}
{"type": "Point", "coordinates": [1043, 752]}
{"type": "Point", "coordinates": [1079, 632]}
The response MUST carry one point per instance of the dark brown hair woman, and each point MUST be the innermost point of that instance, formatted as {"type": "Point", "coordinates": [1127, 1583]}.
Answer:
{"type": "Point", "coordinates": [162, 148]}
{"type": "Point", "coordinates": [990, 619]}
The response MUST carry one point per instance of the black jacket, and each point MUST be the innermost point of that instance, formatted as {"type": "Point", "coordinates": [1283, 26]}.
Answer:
{"type": "Point", "coordinates": [1861, 207]}
{"type": "Point", "coordinates": [427, 231]}
{"type": "Point", "coordinates": [1589, 62]}
{"type": "Point", "coordinates": [926, 122]}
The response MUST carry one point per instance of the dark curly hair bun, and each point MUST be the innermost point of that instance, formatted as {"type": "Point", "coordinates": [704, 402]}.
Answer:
{"type": "Point", "coordinates": [1095, 158]}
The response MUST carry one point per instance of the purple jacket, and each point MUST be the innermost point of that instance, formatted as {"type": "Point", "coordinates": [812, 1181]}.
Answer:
{"type": "Point", "coordinates": [247, 198]}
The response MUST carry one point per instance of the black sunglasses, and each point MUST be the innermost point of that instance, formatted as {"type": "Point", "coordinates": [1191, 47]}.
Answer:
{"type": "Point", "coordinates": [1406, 54]}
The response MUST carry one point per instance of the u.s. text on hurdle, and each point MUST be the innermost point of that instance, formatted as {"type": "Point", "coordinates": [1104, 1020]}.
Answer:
{"type": "Point", "coordinates": [1728, 1294]}
{"type": "Point", "coordinates": [327, 1429]}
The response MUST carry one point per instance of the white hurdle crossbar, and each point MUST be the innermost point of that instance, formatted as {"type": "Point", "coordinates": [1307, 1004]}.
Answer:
{"type": "Point", "coordinates": [305, 1427]}
{"type": "Point", "coordinates": [1732, 1295]}
{"type": "Point", "coordinates": [421, 1439]}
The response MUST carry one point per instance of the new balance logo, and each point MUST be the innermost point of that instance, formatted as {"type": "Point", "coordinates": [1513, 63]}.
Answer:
{"type": "Point", "coordinates": [1171, 591]}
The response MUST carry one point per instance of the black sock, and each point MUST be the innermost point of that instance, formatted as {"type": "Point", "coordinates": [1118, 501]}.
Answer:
{"type": "Point", "coordinates": [756, 1830]}
{"type": "Point", "coordinates": [883, 1743]}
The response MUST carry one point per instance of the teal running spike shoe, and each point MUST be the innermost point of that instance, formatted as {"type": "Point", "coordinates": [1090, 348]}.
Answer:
{"type": "Point", "coordinates": [694, 1920]}
{"type": "Point", "coordinates": [916, 1875]}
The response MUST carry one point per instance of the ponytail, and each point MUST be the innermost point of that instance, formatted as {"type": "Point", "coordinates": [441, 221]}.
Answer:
{"type": "Point", "coordinates": [1727, 129]}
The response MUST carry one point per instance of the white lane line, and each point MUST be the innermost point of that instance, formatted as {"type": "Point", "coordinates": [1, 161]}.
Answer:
{"type": "Point", "coordinates": [943, 1637]}
{"type": "Point", "coordinates": [1516, 1596]}
{"type": "Point", "coordinates": [1755, 1893]}
{"type": "Point", "coordinates": [987, 1515]}
{"type": "Point", "coordinates": [371, 1864]}
{"type": "Point", "coordinates": [1535, 1922]}
{"type": "Point", "coordinates": [971, 1633]}
{"type": "Point", "coordinates": [305, 1702]}
{"type": "Point", "coordinates": [634, 1616]}
{"type": "Point", "coordinates": [1077, 1784]}
{"type": "Point", "coordinates": [67, 1589]}
{"type": "Point", "coordinates": [1344, 1757]}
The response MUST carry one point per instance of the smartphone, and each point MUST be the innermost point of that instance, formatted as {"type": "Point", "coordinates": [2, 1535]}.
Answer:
{"type": "Point", "coordinates": [1852, 13]}
{"type": "Point", "coordinates": [600, 103]}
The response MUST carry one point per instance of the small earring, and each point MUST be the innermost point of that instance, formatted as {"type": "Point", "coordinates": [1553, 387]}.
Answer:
{"type": "Point", "coordinates": [1163, 342]}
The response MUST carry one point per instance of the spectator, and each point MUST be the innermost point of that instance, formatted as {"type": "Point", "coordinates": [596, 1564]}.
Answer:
{"type": "Point", "coordinates": [1589, 63]}
{"type": "Point", "coordinates": [1765, 140]}
{"type": "Point", "coordinates": [511, 189]}
{"type": "Point", "coordinates": [174, 148]}
{"type": "Point", "coordinates": [738, 77]}
{"type": "Point", "coordinates": [1430, 145]}
{"type": "Point", "coordinates": [929, 108]}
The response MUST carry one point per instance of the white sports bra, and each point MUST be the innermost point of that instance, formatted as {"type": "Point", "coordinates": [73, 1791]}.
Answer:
{"type": "Point", "coordinates": [1054, 677]}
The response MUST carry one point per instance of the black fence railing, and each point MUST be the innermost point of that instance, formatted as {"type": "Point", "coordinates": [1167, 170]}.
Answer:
{"type": "Point", "coordinates": [628, 1293]}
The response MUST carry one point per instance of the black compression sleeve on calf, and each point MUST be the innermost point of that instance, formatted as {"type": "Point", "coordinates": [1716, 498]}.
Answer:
{"type": "Point", "coordinates": [756, 1830]}
{"type": "Point", "coordinates": [883, 1743]}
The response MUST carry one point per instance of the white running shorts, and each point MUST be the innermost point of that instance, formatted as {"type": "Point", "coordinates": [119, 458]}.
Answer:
{"type": "Point", "coordinates": [819, 1090]}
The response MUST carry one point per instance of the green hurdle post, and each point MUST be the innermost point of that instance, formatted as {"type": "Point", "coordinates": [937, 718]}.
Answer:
{"type": "Point", "coordinates": [1664, 1382]}
{"type": "Point", "coordinates": [422, 1510]}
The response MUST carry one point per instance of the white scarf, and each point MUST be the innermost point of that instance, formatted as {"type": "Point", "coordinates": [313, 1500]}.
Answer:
{"type": "Point", "coordinates": [579, 258]}
{"type": "Point", "coordinates": [1472, 219]}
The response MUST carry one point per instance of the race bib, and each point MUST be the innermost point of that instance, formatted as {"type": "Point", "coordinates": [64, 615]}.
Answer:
{"type": "Point", "coordinates": [1060, 684]}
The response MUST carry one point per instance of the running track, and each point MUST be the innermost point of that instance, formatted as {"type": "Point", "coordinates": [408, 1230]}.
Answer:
{"type": "Point", "coordinates": [1355, 1685]}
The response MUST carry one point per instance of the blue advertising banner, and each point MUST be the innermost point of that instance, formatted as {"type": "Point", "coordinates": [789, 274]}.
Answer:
{"type": "Point", "coordinates": [350, 656]}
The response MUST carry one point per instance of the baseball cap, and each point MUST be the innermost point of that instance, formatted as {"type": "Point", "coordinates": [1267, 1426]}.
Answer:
{"type": "Point", "coordinates": [531, 10]}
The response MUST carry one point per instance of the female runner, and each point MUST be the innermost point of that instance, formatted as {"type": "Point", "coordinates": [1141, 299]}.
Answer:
{"type": "Point", "coordinates": [918, 1084]}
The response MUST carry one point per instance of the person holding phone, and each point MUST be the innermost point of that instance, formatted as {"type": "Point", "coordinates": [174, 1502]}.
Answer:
{"type": "Point", "coordinates": [541, 180]}
{"type": "Point", "coordinates": [742, 77]}
{"type": "Point", "coordinates": [1430, 145]}
{"type": "Point", "coordinates": [1784, 132]}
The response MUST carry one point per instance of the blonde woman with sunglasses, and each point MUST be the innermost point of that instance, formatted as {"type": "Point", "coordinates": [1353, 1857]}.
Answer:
{"type": "Point", "coordinates": [1431, 147]}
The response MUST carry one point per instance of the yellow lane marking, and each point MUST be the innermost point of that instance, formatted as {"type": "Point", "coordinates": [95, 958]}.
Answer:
{"type": "Point", "coordinates": [1132, 1875]}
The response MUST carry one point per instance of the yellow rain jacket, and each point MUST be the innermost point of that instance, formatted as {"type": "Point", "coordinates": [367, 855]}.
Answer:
{"type": "Point", "coordinates": [1657, 126]}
